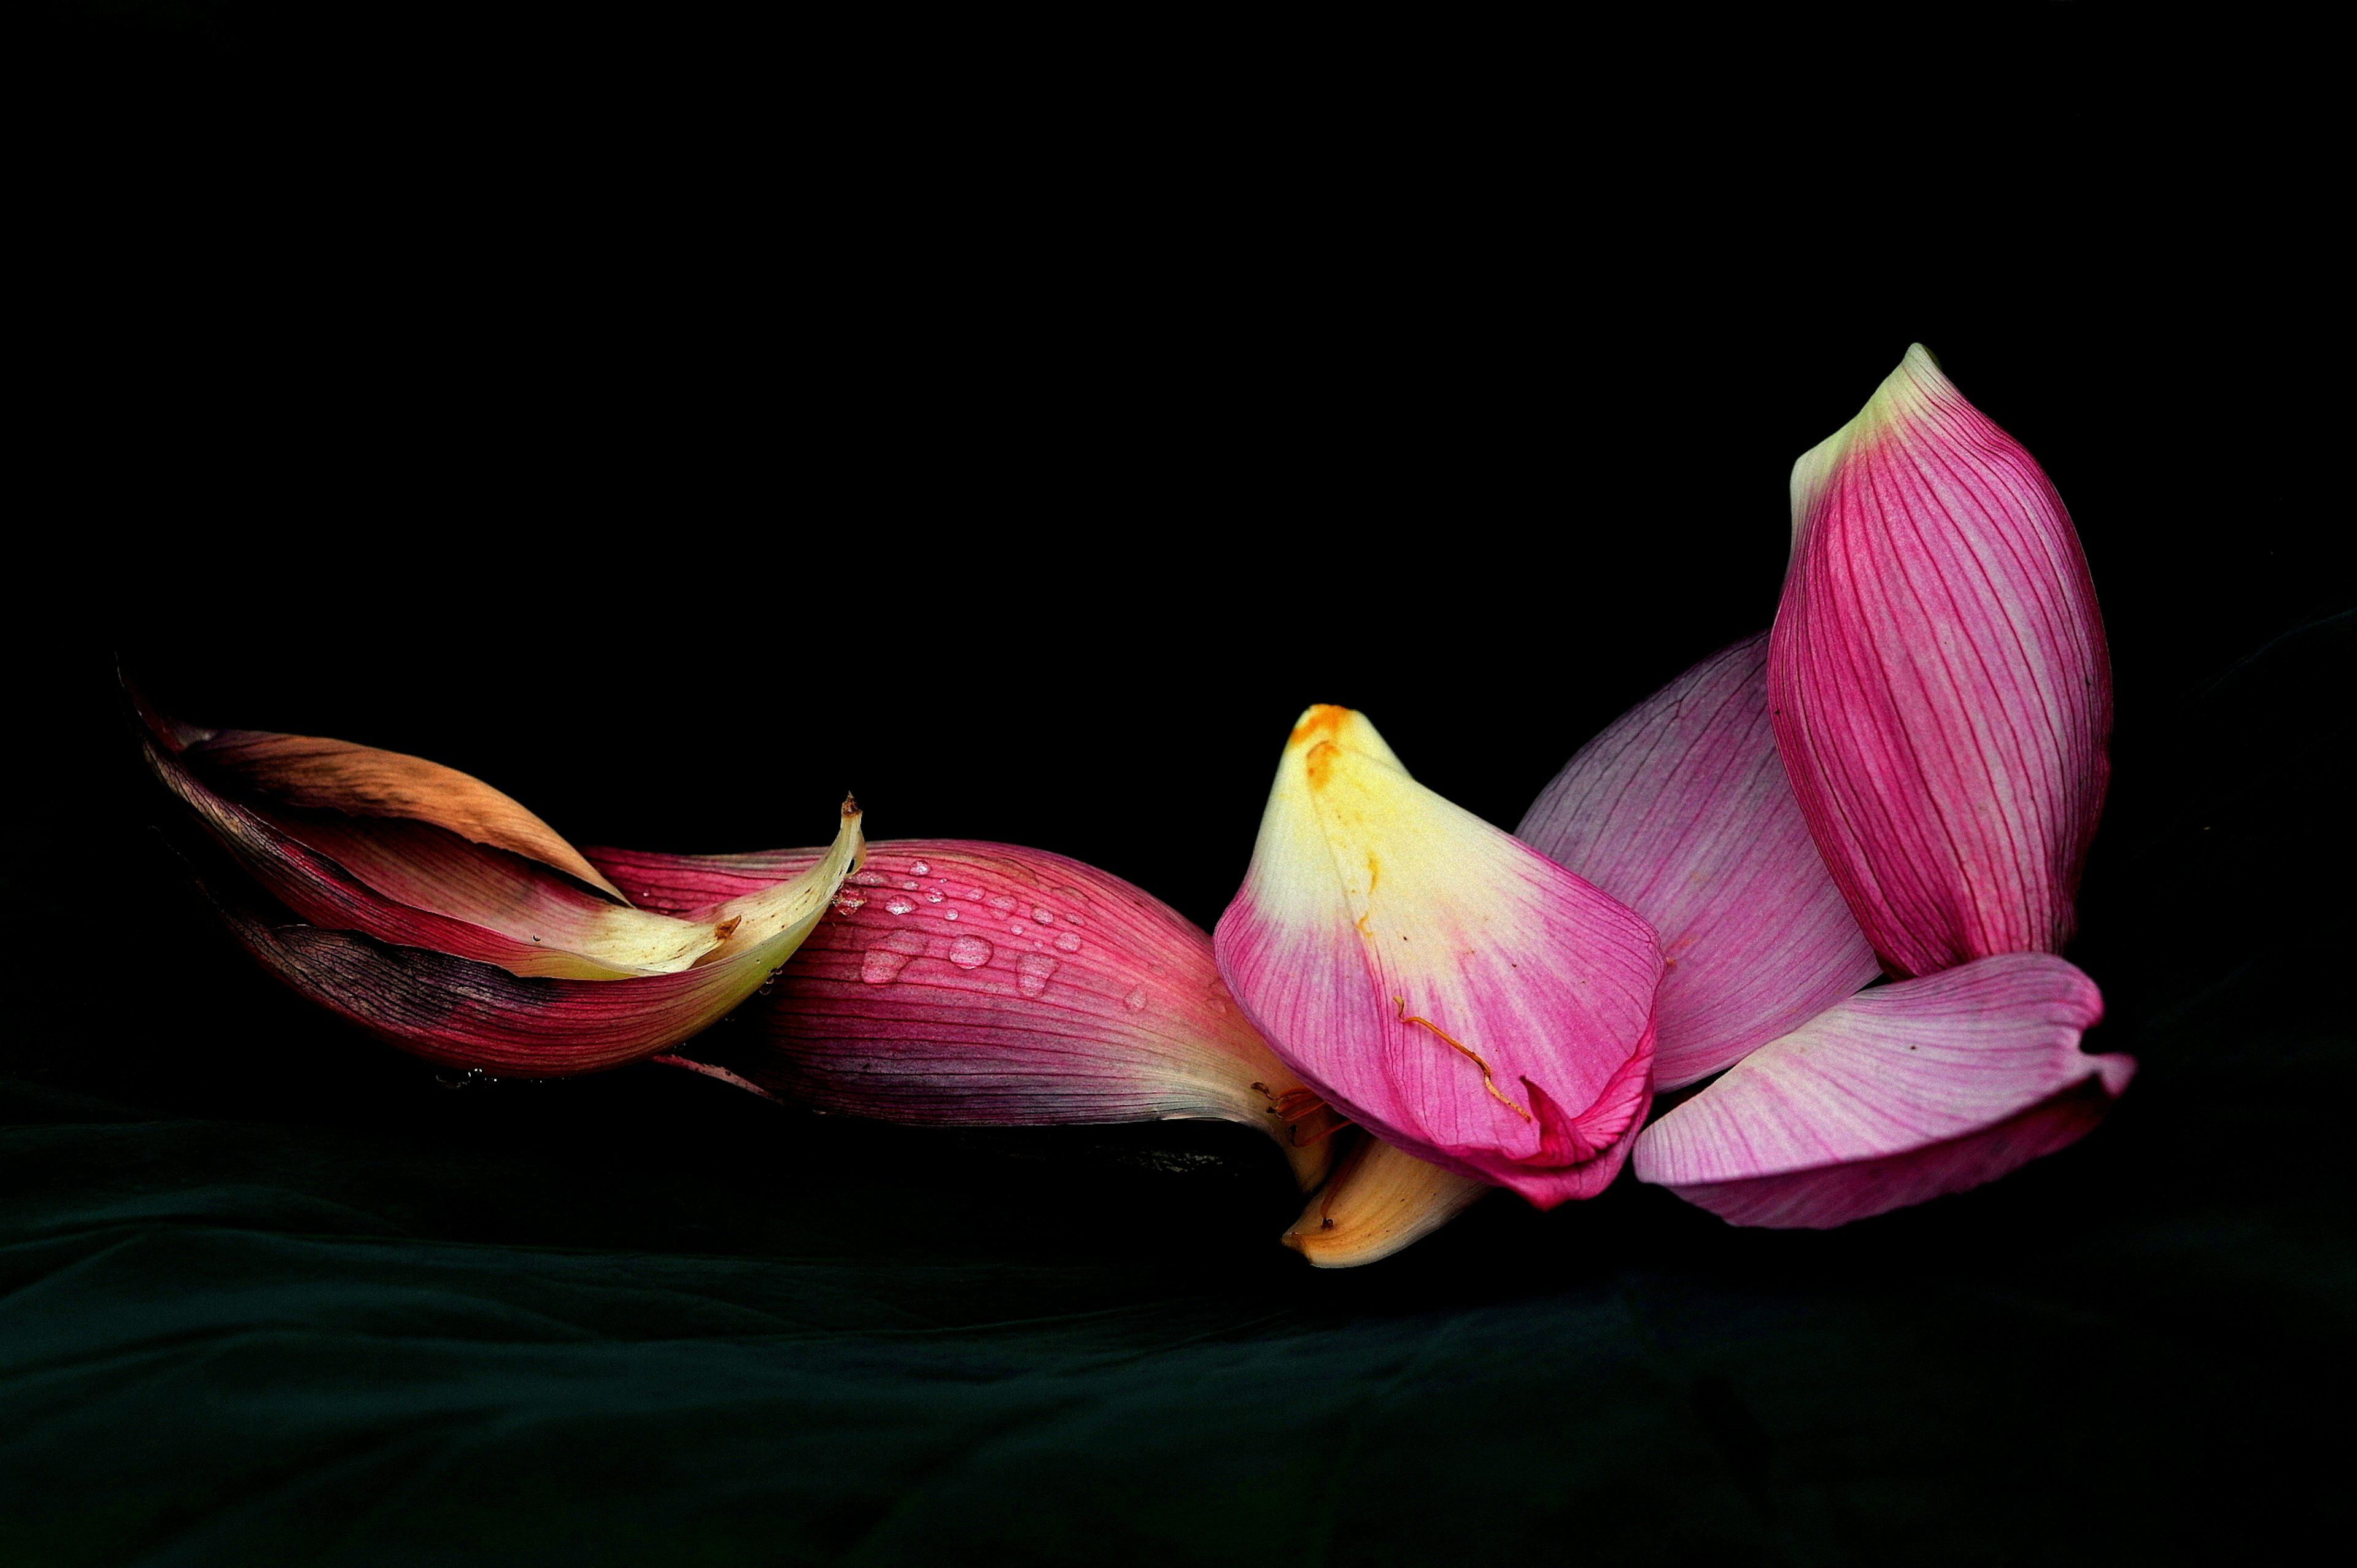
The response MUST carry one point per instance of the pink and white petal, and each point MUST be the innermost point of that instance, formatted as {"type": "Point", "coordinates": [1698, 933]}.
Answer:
{"type": "Point", "coordinates": [1380, 1201]}
{"type": "Point", "coordinates": [1681, 811]}
{"type": "Point", "coordinates": [311, 773]}
{"type": "Point", "coordinates": [1887, 1087]}
{"type": "Point", "coordinates": [1463, 995]}
{"type": "Point", "coordinates": [467, 1013]}
{"type": "Point", "coordinates": [963, 983]}
{"type": "Point", "coordinates": [1939, 678]}
{"type": "Point", "coordinates": [1835, 1195]}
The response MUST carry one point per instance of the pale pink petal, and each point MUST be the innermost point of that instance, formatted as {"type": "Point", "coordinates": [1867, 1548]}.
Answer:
{"type": "Point", "coordinates": [1379, 1200]}
{"type": "Point", "coordinates": [1461, 994]}
{"type": "Point", "coordinates": [1894, 1096]}
{"type": "Point", "coordinates": [1835, 1195]}
{"type": "Point", "coordinates": [959, 983]}
{"type": "Point", "coordinates": [1942, 691]}
{"type": "Point", "coordinates": [1680, 809]}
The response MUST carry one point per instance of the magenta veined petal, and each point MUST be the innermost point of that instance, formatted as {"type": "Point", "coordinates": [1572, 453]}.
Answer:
{"type": "Point", "coordinates": [1462, 995]}
{"type": "Point", "coordinates": [1680, 809]}
{"type": "Point", "coordinates": [1939, 677]}
{"type": "Point", "coordinates": [1895, 1096]}
{"type": "Point", "coordinates": [968, 983]}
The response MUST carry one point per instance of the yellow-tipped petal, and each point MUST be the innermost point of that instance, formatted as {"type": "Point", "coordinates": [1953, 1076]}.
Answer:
{"type": "Point", "coordinates": [1380, 1201]}
{"type": "Point", "coordinates": [1435, 978]}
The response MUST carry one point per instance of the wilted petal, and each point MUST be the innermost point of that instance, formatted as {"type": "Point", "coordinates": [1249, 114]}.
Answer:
{"type": "Point", "coordinates": [1897, 1095]}
{"type": "Point", "coordinates": [469, 1013]}
{"type": "Point", "coordinates": [1680, 809]}
{"type": "Point", "coordinates": [1461, 994]}
{"type": "Point", "coordinates": [969, 984]}
{"type": "Point", "coordinates": [1942, 691]}
{"type": "Point", "coordinates": [312, 773]}
{"type": "Point", "coordinates": [1379, 1200]}
{"type": "Point", "coordinates": [407, 881]}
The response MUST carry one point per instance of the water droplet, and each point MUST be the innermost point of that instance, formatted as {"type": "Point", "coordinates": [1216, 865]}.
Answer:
{"type": "Point", "coordinates": [1019, 928]}
{"type": "Point", "coordinates": [881, 966]}
{"type": "Point", "coordinates": [900, 905]}
{"type": "Point", "coordinates": [933, 897]}
{"type": "Point", "coordinates": [972, 893]}
{"type": "Point", "coordinates": [909, 885]}
{"type": "Point", "coordinates": [949, 914]}
{"type": "Point", "coordinates": [1136, 1000]}
{"type": "Point", "coordinates": [1002, 903]}
{"type": "Point", "coordinates": [920, 869]}
{"type": "Point", "coordinates": [1045, 917]}
{"type": "Point", "coordinates": [869, 880]}
{"type": "Point", "coordinates": [846, 906]}
{"type": "Point", "coordinates": [1069, 942]}
{"type": "Point", "coordinates": [969, 952]}
{"type": "Point", "coordinates": [1031, 972]}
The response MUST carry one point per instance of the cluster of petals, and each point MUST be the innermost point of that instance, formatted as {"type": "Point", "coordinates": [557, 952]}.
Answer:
{"type": "Point", "coordinates": [1812, 894]}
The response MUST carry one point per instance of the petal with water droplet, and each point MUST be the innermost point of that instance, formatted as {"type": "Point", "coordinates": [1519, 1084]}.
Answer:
{"type": "Point", "coordinates": [1122, 1028]}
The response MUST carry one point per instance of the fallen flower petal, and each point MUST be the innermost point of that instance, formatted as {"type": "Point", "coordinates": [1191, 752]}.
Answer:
{"type": "Point", "coordinates": [1460, 993]}
{"type": "Point", "coordinates": [1895, 1096]}
{"type": "Point", "coordinates": [313, 773]}
{"type": "Point", "coordinates": [1938, 673]}
{"type": "Point", "coordinates": [465, 952]}
{"type": "Point", "coordinates": [465, 1013]}
{"type": "Point", "coordinates": [1379, 1199]}
{"type": "Point", "coordinates": [1680, 809]}
{"type": "Point", "coordinates": [966, 983]}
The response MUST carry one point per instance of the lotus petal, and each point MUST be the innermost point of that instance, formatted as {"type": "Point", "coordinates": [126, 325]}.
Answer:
{"type": "Point", "coordinates": [1897, 1095]}
{"type": "Point", "coordinates": [1938, 673]}
{"type": "Point", "coordinates": [1680, 809]}
{"type": "Point", "coordinates": [312, 773]}
{"type": "Point", "coordinates": [469, 1014]}
{"type": "Point", "coordinates": [411, 882]}
{"type": "Point", "coordinates": [1461, 994]}
{"type": "Point", "coordinates": [972, 984]}
{"type": "Point", "coordinates": [1379, 1199]}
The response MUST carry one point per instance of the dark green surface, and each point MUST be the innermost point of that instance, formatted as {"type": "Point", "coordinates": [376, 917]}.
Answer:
{"type": "Point", "coordinates": [296, 1302]}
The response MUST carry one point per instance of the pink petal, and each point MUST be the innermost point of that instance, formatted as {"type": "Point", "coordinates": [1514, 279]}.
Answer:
{"type": "Point", "coordinates": [1681, 811]}
{"type": "Point", "coordinates": [1942, 691]}
{"type": "Point", "coordinates": [960, 983]}
{"type": "Point", "coordinates": [1467, 998]}
{"type": "Point", "coordinates": [1897, 1095]}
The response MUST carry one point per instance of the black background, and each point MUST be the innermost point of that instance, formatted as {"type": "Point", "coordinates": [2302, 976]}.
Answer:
{"type": "Point", "coordinates": [678, 448]}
